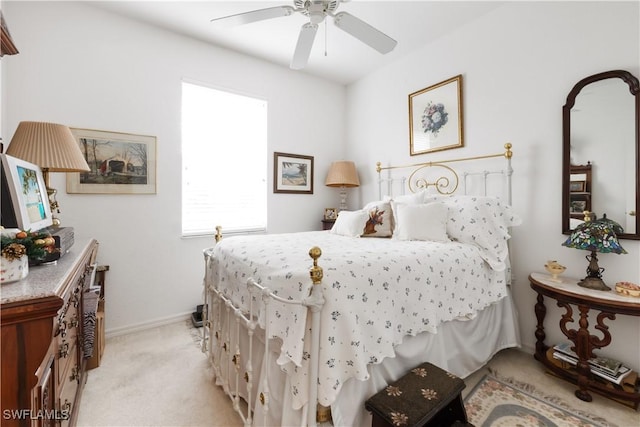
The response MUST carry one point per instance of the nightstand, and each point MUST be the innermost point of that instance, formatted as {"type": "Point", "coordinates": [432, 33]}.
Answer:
{"type": "Point", "coordinates": [567, 293]}
{"type": "Point", "coordinates": [328, 223]}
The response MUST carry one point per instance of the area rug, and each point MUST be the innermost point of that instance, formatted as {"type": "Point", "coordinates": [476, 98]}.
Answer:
{"type": "Point", "coordinates": [501, 402]}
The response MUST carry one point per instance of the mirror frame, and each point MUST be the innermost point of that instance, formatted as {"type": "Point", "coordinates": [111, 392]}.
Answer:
{"type": "Point", "coordinates": [634, 88]}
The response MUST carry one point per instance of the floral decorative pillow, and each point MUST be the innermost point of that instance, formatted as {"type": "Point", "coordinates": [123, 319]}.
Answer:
{"type": "Point", "coordinates": [379, 220]}
{"type": "Point", "coordinates": [350, 223]}
{"type": "Point", "coordinates": [482, 221]}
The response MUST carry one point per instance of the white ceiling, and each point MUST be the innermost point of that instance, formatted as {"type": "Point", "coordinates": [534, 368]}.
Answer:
{"type": "Point", "coordinates": [412, 23]}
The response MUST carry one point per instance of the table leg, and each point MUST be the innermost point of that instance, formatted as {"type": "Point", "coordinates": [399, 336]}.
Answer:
{"type": "Point", "coordinates": [541, 312]}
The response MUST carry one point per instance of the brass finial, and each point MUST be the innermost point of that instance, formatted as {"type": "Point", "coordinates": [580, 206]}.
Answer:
{"type": "Point", "coordinates": [378, 167]}
{"type": "Point", "coordinates": [587, 216]}
{"type": "Point", "coordinates": [508, 153]}
{"type": "Point", "coordinates": [218, 235]}
{"type": "Point", "coordinates": [315, 272]}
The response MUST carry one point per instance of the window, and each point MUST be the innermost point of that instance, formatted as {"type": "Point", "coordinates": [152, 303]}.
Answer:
{"type": "Point", "coordinates": [224, 161]}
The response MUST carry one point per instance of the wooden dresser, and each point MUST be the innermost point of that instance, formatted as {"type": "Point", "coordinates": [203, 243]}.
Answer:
{"type": "Point", "coordinates": [43, 368]}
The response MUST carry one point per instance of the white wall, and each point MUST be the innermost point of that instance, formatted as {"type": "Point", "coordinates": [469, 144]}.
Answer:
{"type": "Point", "coordinates": [87, 68]}
{"type": "Point", "coordinates": [518, 63]}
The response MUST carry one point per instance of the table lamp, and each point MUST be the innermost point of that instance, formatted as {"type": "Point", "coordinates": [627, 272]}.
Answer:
{"type": "Point", "coordinates": [50, 146]}
{"type": "Point", "coordinates": [342, 174]}
{"type": "Point", "coordinates": [595, 236]}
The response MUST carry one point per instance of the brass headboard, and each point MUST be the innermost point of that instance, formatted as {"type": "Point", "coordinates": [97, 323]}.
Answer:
{"type": "Point", "coordinates": [446, 180]}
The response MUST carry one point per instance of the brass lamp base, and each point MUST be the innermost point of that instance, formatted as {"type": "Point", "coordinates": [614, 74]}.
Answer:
{"type": "Point", "coordinates": [595, 283]}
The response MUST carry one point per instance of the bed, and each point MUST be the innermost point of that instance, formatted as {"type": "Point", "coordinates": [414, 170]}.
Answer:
{"type": "Point", "coordinates": [386, 291]}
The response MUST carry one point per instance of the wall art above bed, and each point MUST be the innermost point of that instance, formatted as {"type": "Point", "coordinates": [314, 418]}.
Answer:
{"type": "Point", "coordinates": [435, 117]}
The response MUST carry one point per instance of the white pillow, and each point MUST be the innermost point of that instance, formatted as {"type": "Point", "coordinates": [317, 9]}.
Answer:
{"type": "Point", "coordinates": [350, 223]}
{"type": "Point", "coordinates": [411, 198]}
{"type": "Point", "coordinates": [421, 222]}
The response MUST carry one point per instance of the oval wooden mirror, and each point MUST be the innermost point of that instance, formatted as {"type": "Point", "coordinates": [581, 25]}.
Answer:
{"type": "Point", "coordinates": [601, 151]}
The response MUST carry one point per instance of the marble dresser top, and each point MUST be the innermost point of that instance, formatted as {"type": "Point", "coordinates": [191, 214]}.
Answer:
{"type": "Point", "coordinates": [44, 280]}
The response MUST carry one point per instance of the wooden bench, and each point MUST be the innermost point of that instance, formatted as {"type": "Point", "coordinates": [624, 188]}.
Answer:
{"type": "Point", "coordinates": [425, 396]}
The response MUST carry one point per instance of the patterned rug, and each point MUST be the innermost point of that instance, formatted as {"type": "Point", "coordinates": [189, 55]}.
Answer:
{"type": "Point", "coordinates": [498, 402]}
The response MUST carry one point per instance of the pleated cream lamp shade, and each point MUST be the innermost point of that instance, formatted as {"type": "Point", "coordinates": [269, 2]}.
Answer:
{"type": "Point", "coordinates": [50, 146]}
{"type": "Point", "coordinates": [342, 174]}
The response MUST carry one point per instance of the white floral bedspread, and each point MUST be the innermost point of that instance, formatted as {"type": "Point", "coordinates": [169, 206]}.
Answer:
{"type": "Point", "coordinates": [377, 291]}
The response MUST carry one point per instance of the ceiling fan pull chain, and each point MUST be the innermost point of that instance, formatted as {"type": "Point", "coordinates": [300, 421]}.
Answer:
{"type": "Point", "coordinates": [325, 37]}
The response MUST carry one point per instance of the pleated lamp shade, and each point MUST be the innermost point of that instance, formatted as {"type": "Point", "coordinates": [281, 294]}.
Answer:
{"type": "Point", "coordinates": [48, 145]}
{"type": "Point", "coordinates": [342, 174]}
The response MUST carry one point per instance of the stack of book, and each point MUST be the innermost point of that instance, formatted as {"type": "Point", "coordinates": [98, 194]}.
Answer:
{"type": "Point", "coordinates": [604, 367]}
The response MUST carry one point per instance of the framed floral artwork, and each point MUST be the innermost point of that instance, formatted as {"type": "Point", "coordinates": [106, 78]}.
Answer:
{"type": "Point", "coordinates": [435, 117]}
{"type": "Point", "coordinates": [121, 163]}
{"type": "Point", "coordinates": [292, 173]}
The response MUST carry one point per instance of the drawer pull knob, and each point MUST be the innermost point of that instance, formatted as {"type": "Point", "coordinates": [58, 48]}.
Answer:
{"type": "Point", "coordinates": [63, 351]}
{"type": "Point", "coordinates": [73, 323]}
{"type": "Point", "coordinates": [75, 374]}
{"type": "Point", "coordinates": [62, 329]}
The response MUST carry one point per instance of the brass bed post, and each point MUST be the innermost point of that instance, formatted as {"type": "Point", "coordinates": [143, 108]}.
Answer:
{"type": "Point", "coordinates": [317, 413]}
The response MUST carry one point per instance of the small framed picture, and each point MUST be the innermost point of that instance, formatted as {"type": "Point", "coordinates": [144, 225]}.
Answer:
{"type": "Point", "coordinates": [292, 173]}
{"type": "Point", "coordinates": [330, 213]}
{"type": "Point", "coordinates": [577, 186]}
{"type": "Point", "coordinates": [578, 206]}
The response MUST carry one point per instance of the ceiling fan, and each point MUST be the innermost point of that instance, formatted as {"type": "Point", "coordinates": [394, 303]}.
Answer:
{"type": "Point", "coordinates": [317, 11]}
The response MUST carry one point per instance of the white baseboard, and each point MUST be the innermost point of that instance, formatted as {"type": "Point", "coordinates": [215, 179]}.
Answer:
{"type": "Point", "coordinates": [125, 330]}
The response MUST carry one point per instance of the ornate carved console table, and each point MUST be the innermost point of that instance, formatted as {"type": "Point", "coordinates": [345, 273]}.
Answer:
{"type": "Point", "coordinates": [609, 304]}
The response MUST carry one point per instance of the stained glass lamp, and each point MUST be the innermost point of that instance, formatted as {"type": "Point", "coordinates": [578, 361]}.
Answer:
{"type": "Point", "coordinates": [595, 236]}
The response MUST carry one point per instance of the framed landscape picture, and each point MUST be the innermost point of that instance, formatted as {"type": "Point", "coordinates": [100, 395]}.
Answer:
{"type": "Point", "coordinates": [292, 173]}
{"type": "Point", "coordinates": [121, 163]}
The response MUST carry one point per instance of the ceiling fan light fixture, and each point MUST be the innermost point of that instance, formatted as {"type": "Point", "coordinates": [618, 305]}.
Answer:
{"type": "Point", "coordinates": [316, 11]}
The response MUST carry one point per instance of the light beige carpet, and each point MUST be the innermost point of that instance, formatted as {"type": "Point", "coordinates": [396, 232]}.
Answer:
{"type": "Point", "coordinates": [159, 377]}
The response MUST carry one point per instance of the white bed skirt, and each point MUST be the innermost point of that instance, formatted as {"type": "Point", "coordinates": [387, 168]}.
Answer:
{"type": "Point", "coordinates": [460, 347]}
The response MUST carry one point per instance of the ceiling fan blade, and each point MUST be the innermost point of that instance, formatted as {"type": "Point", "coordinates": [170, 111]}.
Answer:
{"type": "Point", "coordinates": [304, 45]}
{"type": "Point", "coordinates": [364, 32]}
{"type": "Point", "coordinates": [254, 16]}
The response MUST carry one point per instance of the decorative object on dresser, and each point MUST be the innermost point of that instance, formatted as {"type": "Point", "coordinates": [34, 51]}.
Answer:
{"type": "Point", "coordinates": [121, 163]}
{"type": "Point", "coordinates": [292, 173]}
{"type": "Point", "coordinates": [580, 370]}
{"type": "Point", "coordinates": [43, 368]}
{"type": "Point", "coordinates": [20, 249]}
{"type": "Point", "coordinates": [50, 146]}
{"type": "Point", "coordinates": [435, 117]}
{"type": "Point", "coordinates": [628, 288]}
{"type": "Point", "coordinates": [555, 269]}
{"type": "Point", "coordinates": [24, 205]}
{"type": "Point", "coordinates": [342, 174]}
{"type": "Point", "coordinates": [595, 236]}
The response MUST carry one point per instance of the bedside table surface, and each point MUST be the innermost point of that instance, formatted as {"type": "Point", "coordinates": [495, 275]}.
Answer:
{"type": "Point", "coordinates": [569, 286]}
